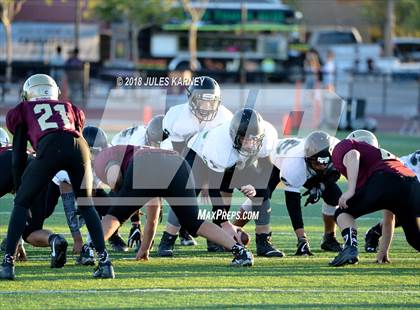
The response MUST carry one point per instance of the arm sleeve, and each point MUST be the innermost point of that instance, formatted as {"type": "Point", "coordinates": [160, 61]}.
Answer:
{"type": "Point", "coordinates": [19, 156]}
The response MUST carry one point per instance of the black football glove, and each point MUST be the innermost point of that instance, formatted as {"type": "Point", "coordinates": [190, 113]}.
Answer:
{"type": "Point", "coordinates": [134, 237]}
{"type": "Point", "coordinates": [314, 194]}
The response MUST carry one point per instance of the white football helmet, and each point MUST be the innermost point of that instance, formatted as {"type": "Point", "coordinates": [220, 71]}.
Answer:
{"type": "Point", "coordinates": [4, 138]}
{"type": "Point", "coordinates": [40, 86]}
{"type": "Point", "coordinates": [362, 135]}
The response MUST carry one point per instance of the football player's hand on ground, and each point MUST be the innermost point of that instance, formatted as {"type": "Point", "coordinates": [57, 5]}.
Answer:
{"type": "Point", "coordinates": [21, 253]}
{"type": "Point", "coordinates": [142, 255]}
{"type": "Point", "coordinates": [232, 231]}
{"type": "Point", "coordinates": [248, 190]}
{"type": "Point", "coordinates": [382, 258]}
{"type": "Point", "coordinates": [342, 202]}
{"type": "Point", "coordinates": [77, 244]}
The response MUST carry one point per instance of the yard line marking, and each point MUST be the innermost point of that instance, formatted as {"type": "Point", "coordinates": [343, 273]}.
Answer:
{"type": "Point", "coordinates": [209, 290]}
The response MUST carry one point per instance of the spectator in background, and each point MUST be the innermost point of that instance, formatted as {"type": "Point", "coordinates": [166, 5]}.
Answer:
{"type": "Point", "coordinates": [328, 72]}
{"type": "Point", "coordinates": [74, 72]}
{"type": "Point", "coordinates": [57, 67]}
{"type": "Point", "coordinates": [312, 69]}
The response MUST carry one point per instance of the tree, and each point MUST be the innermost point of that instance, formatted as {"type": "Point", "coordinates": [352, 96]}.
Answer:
{"type": "Point", "coordinates": [139, 14]}
{"type": "Point", "coordinates": [406, 14]}
{"type": "Point", "coordinates": [8, 10]}
{"type": "Point", "coordinates": [196, 12]}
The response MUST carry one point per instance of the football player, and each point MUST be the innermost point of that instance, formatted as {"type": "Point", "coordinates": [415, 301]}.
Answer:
{"type": "Point", "coordinates": [152, 135]}
{"type": "Point", "coordinates": [236, 155]}
{"type": "Point", "coordinates": [307, 163]}
{"type": "Point", "coordinates": [132, 174]}
{"type": "Point", "coordinates": [203, 111]}
{"type": "Point", "coordinates": [53, 128]}
{"type": "Point", "coordinates": [389, 222]}
{"type": "Point", "coordinates": [374, 233]}
{"type": "Point", "coordinates": [377, 180]}
{"type": "Point", "coordinates": [41, 209]}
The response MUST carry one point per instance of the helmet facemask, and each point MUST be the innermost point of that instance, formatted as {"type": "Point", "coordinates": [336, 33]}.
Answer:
{"type": "Point", "coordinates": [249, 145]}
{"type": "Point", "coordinates": [320, 161]}
{"type": "Point", "coordinates": [204, 105]}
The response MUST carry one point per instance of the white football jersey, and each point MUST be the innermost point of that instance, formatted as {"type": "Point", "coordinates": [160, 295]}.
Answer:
{"type": "Point", "coordinates": [181, 124]}
{"type": "Point", "coordinates": [137, 136]}
{"type": "Point", "coordinates": [133, 135]}
{"type": "Point", "coordinates": [289, 157]}
{"type": "Point", "coordinates": [215, 147]}
{"type": "Point", "coordinates": [415, 167]}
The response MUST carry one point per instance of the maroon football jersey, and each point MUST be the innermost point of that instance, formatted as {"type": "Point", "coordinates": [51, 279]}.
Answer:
{"type": "Point", "coordinates": [370, 161]}
{"type": "Point", "coordinates": [121, 155]}
{"type": "Point", "coordinates": [46, 116]}
{"type": "Point", "coordinates": [118, 154]}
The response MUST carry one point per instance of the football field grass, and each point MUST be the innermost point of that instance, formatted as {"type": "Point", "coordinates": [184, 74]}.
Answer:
{"type": "Point", "coordinates": [197, 279]}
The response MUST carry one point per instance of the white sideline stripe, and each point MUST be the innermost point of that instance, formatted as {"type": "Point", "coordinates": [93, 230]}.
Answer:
{"type": "Point", "coordinates": [209, 290]}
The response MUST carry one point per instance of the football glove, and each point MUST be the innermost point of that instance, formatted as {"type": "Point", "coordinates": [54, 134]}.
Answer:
{"type": "Point", "coordinates": [314, 194]}
{"type": "Point", "coordinates": [134, 237]}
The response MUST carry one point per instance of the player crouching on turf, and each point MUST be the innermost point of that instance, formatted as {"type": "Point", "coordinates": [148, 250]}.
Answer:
{"type": "Point", "coordinates": [151, 135]}
{"type": "Point", "coordinates": [386, 227]}
{"type": "Point", "coordinates": [236, 155]}
{"type": "Point", "coordinates": [53, 128]}
{"type": "Point", "coordinates": [377, 180]}
{"type": "Point", "coordinates": [307, 163]}
{"type": "Point", "coordinates": [138, 176]}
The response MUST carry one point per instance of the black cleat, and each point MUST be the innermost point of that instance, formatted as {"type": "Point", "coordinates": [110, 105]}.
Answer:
{"type": "Point", "coordinates": [265, 246]}
{"type": "Point", "coordinates": [87, 256]}
{"type": "Point", "coordinates": [303, 248]}
{"type": "Point", "coordinates": [166, 245]}
{"type": "Point", "coordinates": [105, 270]}
{"type": "Point", "coordinates": [117, 243]}
{"type": "Point", "coordinates": [58, 251]}
{"type": "Point", "coordinates": [372, 240]}
{"type": "Point", "coordinates": [243, 257]}
{"type": "Point", "coordinates": [349, 255]}
{"type": "Point", "coordinates": [330, 243]}
{"type": "Point", "coordinates": [7, 268]}
{"type": "Point", "coordinates": [185, 238]}
{"type": "Point", "coordinates": [214, 247]}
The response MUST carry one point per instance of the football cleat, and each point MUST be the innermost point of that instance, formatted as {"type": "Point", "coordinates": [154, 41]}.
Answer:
{"type": "Point", "coordinates": [265, 246]}
{"type": "Point", "coordinates": [214, 247]}
{"type": "Point", "coordinates": [185, 238]}
{"type": "Point", "coordinates": [105, 270]}
{"type": "Point", "coordinates": [349, 255]}
{"type": "Point", "coordinates": [7, 268]}
{"type": "Point", "coordinates": [372, 240]}
{"type": "Point", "coordinates": [243, 257]}
{"type": "Point", "coordinates": [166, 245]}
{"type": "Point", "coordinates": [303, 248]}
{"type": "Point", "coordinates": [134, 237]}
{"type": "Point", "coordinates": [86, 257]}
{"type": "Point", "coordinates": [330, 244]}
{"type": "Point", "coordinates": [117, 243]}
{"type": "Point", "coordinates": [58, 251]}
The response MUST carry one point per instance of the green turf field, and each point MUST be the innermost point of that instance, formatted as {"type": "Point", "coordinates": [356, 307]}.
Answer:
{"type": "Point", "coordinates": [195, 279]}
